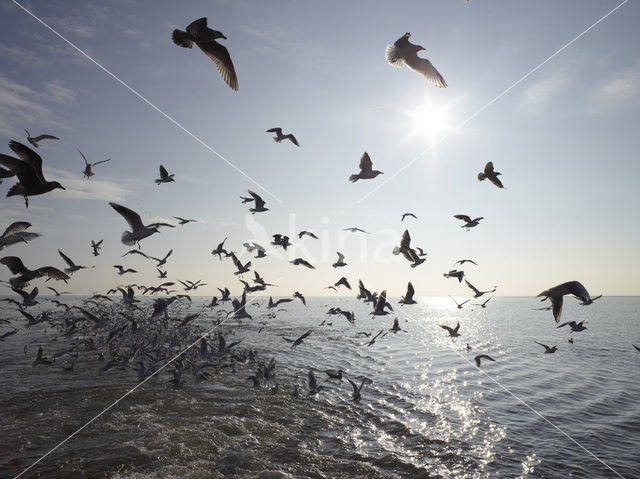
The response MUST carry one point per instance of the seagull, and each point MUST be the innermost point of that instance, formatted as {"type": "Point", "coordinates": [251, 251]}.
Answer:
{"type": "Point", "coordinates": [72, 266]}
{"type": "Point", "coordinates": [307, 233]}
{"type": "Point", "coordinates": [298, 341]}
{"type": "Point", "coordinates": [482, 356]}
{"type": "Point", "coordinates": [183, 221]}
{"type": "Point", "coordinates": [381, 304]}
{"type": "Point", "coordinates": [408, 252]}
{"type": "Point", "coordinates": [96, 247]}
{"type": "Point", "coordinates": [34, 140]}
{"type": "Point", "coordinates": [468, 222]}
{"type": "Point", "coordinates": [491, 175]}
{"type": "Point", "coordinates": [313, 384]}
{"type": "Point", "coordinates": [454, 273]}
{"type": "Point", "coordinates": [575, 327]}
{"type": "Point", "coordinates": [273, 304]}
{"type": "Point", "coordinates": [405, 52]}
{"type": "Point", "coordinates": [239, 266]}
{"type": "Point", "coordinates": [477, 292]}
{"type": "Point", "coordinates": [15, 233]}
{"type": "Point", "coordinates": [408, 297]}
{"type": "Point", "coordinates": [28, 169]}
{"type": "Point", "coordinates": [373, 340]}
{"type": "Point", "coordinates": [16, 266]}
{"type": "Point", "coordinates": [463, 261]}
{"type": "Point", "coordinates": [396, 326]}
{"type": "Point", "coordinates": [366, 170]}
{"type": "Point", "coordinates": [220, 250]}
{"type": "Point", "coordinates": [556, 293]}
{"type": "Point", "coordinates": [453, 332]}
{"type": "Point", "coordinates": [225, 293]}
{"type": "Point", "coordinates": [259, 206]}
{"type": "Point", "coordinates": [28, 299]}
{"type": "Point", "coordinates": [300, 297]}
{"type": "Point", "coordinates": [165, 177]}
{"type": "Point", "coordinates": [353, 229]}
{"type": "Point", "coordinates": [342, 282]}
{"type": "Point", "coordinates": [281, 240]}
{"type": "Point", "coordinates": [547, 349]}
{"type": "Point", "coordinates": [138, 230]}
{"type": "Point", "coordinates": [88, 168]}
{"type": "Point", "coordinates": [163, 260]}
{"type": "Point", "coordinates": [459, 305]}
{"type": "Point", "coordinates": [404, 215]}
{"type": "Point", "coordinates": [340, 261]}
{"type": "Point", "coordinates": [366, 295]}
{"type": "Point", "coordinates": [300, 261]}
{"type": "Point", "coordinates": [483, 305]}
{"type": "Point", "coordinates": [279, 136]}
{"type": "Point", "coordinates": [56, 292]}
{"type": "Point", "coordinates": [239, 307]}
{"type": "Point", "coordinates": [205, 38]}
{"type": "Point", "coordinates": [333, 374]}
{"type": "Point", "coordinates": [356, 389]}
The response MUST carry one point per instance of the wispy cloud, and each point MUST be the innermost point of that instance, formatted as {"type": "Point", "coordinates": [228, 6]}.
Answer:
{"type": "Point", "coordinates": [81, 188]}
{"type": "Point", "coordinates": [538, 95]}
{"type": "Point", "coordinates": [22, 56]}
{"type": "Point", "coordinates": [71, 25]}
{"type": "Point", "coordinates": [623, 86]}
{"type": "Point", "coordinates": [56, 92]}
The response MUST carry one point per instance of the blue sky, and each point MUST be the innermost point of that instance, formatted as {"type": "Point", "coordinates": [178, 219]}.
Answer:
{"type": "Point", "coordinates": [565, 139]}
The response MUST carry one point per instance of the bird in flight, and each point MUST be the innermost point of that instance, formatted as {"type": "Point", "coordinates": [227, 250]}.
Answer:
{"type": "Point", "coordinates": [182, 221]}
{"type": "Point", "coordinates": [259, 203]}
{"type": "Point", "coordinates": [479, 357]}
{"type": "Point", "coordinates": [460, 305]}
{"type": "Point", "coordinates": [138, 230]}
{"type": "Point", "coordinates": [454, 273]}
{"type": "Point", "coordinates": [556, 294]}
{"type": "Point", "coordinates": [366, 170]}
{"type": "Point", "coordinates": [408, 297]}
{"type": "Point", "coordinates": [34, 140]}
{"type": "Point", "coordinates": [205, 38]}
{"type": "Point", "coordinates": [477, 292]}
{"type": "Point", "coordinates": [88, 167]}
{"type": "Point", "coordinates": [453, 332]}
{"type": "Point", "coordinates": [28, 169]}
{"type": "Point", "coordinates": [355, 230]}
{"type": "Point", "coordinates": [340, 262]}
{"type": "Point", "coordinates": [405, 52]}
{"type": "Point", "coordinates": [165, 177]}
{"type": "Point", "coordinates": [408, 252]}
{"type": "Point", "coordinates": [279, 136]}
{"type": "Point", "coordinates": [95, 246]}
{"type": "Point", "coordinates": [300, 261]}
{"type": "Point", "coordinates": [463, 261]}
{"type": "Point", "coordinates": [404, 215]}
{"type": "Point", "coordinates": [489, 174]}
{"type": "Point", "coordinates": [547, 349]}
{"type": "Point", "coordinates": [15, 233]}
{"type": "Point", "coordinates": [468, 222]}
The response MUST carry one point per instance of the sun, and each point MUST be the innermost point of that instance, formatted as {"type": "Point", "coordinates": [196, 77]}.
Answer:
{"type": "Point", "coordinates": [429, 119]}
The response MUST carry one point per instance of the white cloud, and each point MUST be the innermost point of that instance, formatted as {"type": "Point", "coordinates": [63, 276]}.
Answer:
{"type": "Point", "coordinates": [82, 188]}
{"type": "Point", "coordinates": [57, 93]}
{"type": "Point", "coordinates": [539, 94]}
{"type": "Point", "coordinates": [22, 56]}
{"type": "Point", "coordinates": [623, 86]}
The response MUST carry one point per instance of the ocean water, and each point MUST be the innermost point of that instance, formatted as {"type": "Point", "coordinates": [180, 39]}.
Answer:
{"type": "Point", "coordinates": [429, 411]}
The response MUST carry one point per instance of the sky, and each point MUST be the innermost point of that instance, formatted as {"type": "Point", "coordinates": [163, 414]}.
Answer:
{"type": "Point", "coordinates": [565, 138]}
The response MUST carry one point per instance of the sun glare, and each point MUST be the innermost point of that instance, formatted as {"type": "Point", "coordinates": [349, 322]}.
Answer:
{"type": "Point", "coordinates": [430, 119]}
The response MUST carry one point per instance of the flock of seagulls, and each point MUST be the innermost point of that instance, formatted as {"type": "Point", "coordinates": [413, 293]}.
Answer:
{"type": "Point", "coordinates": [127, 335]}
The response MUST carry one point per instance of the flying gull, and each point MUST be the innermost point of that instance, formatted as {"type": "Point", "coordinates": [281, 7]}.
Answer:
{"type": "Point", "coordinates": [138, 230]}
{"type": "Point", "coordinates": [88, 167]}
{"type": "Point", "coordinates": [491, 175]}
{"type": "Point", "coordinates": [28, 169]}
{"type": "Point", "coordinates": [556, 293]}
{"type": "Point", "coordinates": [279, 136]}
{"type": "Point", "coordinates": [405, 52]}
{"type": "Point", "coordinates": [34, 140]}
{"type": "Point", "coordinates": [366, 170]}
{"type": "Point", "coordinates": [205, 38]}
{"type": "Point", "coordinates": [165, 177]}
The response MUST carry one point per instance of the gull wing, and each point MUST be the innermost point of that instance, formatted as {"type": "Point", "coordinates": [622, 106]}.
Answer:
{"type": "Point", "coordinates": [366, 165]}
{"type": "Point", "coordinates": [463, 218]}
{"type": "Point", "coordinates": [66, 259]}
{"type": "Point", "coordinates": [83, 157]}
{"type": "Point", "coordinates": [475, 290]}
{"type": "Point", "coordinates": [29, 156]}
{"type": "Point", "coordinates": [131, 217]}
{"type": "Point", "coordinates": [424, 67]}
{"type": "Point", "coordinates": [15, 264]}
{"type": "Point", "coordinates": [15, 228]}
{"type": "Point", "coordinates": [53, 273]}
{"type": "Point", "coordinates": [219, 55]}
{"type": "Point", "coordinates": [405, 242]}
{"type": "Point", "coordinates": [259, 201]}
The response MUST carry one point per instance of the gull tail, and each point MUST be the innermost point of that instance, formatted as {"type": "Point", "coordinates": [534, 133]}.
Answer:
{"type": "Point", "coordinates": [352, 178]}
{"type": "Point", "coordinates": [182, 39]}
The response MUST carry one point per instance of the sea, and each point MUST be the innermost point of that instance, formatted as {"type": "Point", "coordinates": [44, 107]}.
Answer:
{"type": "Point", "coordinates": [426, 411]}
